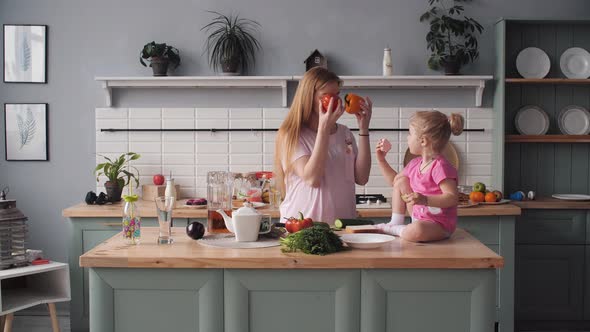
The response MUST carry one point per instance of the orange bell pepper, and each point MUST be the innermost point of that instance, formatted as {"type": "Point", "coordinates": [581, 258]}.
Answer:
{"type": "Point", "coordinates": [352, 103]}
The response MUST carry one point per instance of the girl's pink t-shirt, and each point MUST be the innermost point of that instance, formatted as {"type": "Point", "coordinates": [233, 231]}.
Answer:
{"type": "Point", "coordinates": [427, 184]}
{"type": "Point", "coordinates": [335, 197]}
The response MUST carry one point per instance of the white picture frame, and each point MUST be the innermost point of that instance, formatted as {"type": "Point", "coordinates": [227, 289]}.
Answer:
{"type": "Point", "coordinates": [26, 132]}
{"type": "Point", "coordinates": [25, 53]}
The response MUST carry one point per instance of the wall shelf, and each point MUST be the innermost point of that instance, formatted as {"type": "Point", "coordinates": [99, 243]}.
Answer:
{"type": "Point", "coordinates": [371, 82]}
{"type": "Point", "coordinates": [547, 81]}
{"type": "Point", "coordinates": [108, 83]}
{"type": "Point", "coordinates": [547, 138]}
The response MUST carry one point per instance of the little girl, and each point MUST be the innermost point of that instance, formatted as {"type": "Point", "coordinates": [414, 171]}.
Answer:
{"type": "Point", "coordinates": [427, 186]}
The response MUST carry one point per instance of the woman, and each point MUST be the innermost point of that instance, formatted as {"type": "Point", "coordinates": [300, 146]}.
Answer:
{"type": "Point", "coordinates": [317, 161]}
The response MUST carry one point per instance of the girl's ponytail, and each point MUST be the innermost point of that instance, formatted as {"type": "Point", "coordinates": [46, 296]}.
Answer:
{"type": "Point", "coordinates": [456, 121]}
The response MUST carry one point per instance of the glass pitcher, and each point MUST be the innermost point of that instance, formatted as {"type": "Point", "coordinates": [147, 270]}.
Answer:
{"type": "Point", "coordinates": [219, 196]}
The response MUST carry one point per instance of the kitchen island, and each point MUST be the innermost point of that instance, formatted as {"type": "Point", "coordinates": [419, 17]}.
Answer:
{"type": "Point", "coordinates": [443, 286]}
{"type": "Point", "coordinates": [89, 225]}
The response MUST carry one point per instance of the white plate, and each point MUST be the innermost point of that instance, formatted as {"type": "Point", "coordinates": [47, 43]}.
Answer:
{"type": "Point", "coordinates": [532, 62]}
{"type": "Point", "coordinates": [531, 120]}
{"type": "Point", "coordinates": [366, 240]}
{"type": "Point", "coordinates": [229, 241]}
{"type": "Point", "coordinates": [572, 197]}
{"type": "Point", "coordinates": [195, 206]}
{"type": "Point", "coordinates": [575, 63]}
{"type": "Point", "coordinates": [256, 205]}
{"type": "Point", "coordinates": [574, 120]}
{"type": "Point", "coordinates": [502, 201]}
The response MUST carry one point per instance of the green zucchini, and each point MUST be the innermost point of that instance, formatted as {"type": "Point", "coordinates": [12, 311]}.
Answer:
{"type": "Point", "coordinates": [321, 223]}
{"type": "Point", "coordinates": [342, 223]}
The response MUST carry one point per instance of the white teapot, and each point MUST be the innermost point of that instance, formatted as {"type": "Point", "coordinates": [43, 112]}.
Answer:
{"type": "Point", "coordinates": [245, 223]}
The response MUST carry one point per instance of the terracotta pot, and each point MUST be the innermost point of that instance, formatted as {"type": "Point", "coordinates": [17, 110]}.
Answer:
{"type": "Point", "coordinates": [113, 191]}
{"type": "Point", "coordinates": [159, 66]}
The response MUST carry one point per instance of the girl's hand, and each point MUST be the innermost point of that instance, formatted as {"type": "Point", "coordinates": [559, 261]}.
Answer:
{"type": "Point", "coordinates": [363, 117]}
{"type": "Point", "coordinates": [414, 198]}
{"type": "Point", "coordinates": [383, 146]}
{"type": "Point", "coordinates": [328, 119]}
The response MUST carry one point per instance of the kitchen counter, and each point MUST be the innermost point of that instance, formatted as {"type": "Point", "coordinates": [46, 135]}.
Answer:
{"type": "Point", "coordinates": [461, 251]}
{"type": "Point", "coordinates": [148, 209]}
{"type": "Point", "coordinates": [553, 203]}
{"type": "Point", "coordinates": [189, 287]}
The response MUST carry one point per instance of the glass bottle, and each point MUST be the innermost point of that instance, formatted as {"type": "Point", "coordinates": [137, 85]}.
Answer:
{"type": "Point", "coordinates": [131, 221]}
{"type": "Point", "coordinates": [387, 65]}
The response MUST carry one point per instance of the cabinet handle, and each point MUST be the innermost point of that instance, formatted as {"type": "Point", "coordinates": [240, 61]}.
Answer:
{"type": "Point", "coordinates": [111, 224]}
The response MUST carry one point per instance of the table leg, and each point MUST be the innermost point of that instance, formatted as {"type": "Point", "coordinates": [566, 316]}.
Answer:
{"type": "Point", "coordinates": [53, 314]}
{"type": "Point", "coordinates": [8, 322]}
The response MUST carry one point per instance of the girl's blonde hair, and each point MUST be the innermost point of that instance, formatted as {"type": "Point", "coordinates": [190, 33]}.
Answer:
{"type": "Point", "coordinates": [437, 127]}
{"type": "Point", "coordinates": [298, 117]}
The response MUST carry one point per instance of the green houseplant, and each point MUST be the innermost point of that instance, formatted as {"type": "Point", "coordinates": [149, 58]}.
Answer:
{"type": "Point", "coordinates": [119, 174]}
{"type": "Point", "coordinates": [231, 44]}
{"type": "Point", "coordinates": [159, 56]}
{"type": "Point", "coordinates": [452, 36]}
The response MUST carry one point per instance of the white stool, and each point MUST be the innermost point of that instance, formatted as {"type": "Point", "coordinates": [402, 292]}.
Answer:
{"type": "Point", "coordinates": [24, 287]}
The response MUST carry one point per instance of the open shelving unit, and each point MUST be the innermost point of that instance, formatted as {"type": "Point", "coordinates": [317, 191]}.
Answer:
{"type": "Point", "coordinates": [547, 138]}
{"type": "Point", "coordinates": [476, 83]}
{"type": "Point", "coordinates": [547, 81]}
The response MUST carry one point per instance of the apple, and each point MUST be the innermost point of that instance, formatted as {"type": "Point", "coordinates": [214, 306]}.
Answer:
{"type": "Point", "coordinates": [158, 179]}
{"type": "Point", "coordinates": [498, 194]}
{"type": "Point", "coordinates": [478, 186]}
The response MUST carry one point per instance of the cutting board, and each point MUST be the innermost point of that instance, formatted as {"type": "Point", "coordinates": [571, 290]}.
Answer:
{"type": "Point", "coordinates": [374, 206]}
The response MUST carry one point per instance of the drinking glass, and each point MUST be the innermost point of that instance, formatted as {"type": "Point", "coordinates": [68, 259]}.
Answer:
{"type": "Point", "coordinates": [164, 205]}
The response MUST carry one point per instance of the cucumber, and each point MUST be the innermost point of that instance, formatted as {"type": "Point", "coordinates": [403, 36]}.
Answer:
{"type": "Point", "coordinates": [321, 224]}
{"type": "Point", "coordinates": [342, 223]}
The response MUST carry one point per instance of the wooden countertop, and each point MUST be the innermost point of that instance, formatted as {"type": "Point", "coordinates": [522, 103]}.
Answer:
{"type": "Point", "coordinates": [461, 251]}
{"type": "Point", "coordinates": [148, 209]}
{"type": "Point", "coordinates": [553, 203]}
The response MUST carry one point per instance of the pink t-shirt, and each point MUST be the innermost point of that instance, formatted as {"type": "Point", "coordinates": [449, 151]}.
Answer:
{"type": "Point", "coordinates": [427, 184]}
{"type": "Point", "coordinates": [335, 197]}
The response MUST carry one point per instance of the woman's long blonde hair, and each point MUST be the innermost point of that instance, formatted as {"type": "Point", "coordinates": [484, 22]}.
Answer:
{"type": "Point", "coordinates": [437, 127]}
{"type": "Point", "coordinates": [298, 117]}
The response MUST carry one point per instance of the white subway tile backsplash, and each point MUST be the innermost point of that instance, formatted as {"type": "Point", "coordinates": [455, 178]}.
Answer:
{"type": "Point", "coordinates": [111, 113]}
{"type": "Point", "coordinates": [212, 113]}
{"type": "Point", "coordinates": [245, 159]}
{"type": "Point", "coordinates": [245, 147]}
{"type": "Point", "coordinates": [138, 113]}
{"type": "Point", "coordinates": [192, 154]}
{"type": "Point", "coordinates": [212, 147]}
{"type": "Point", "coordinates": [178, 147]}
{"type": "Point", "coordinates": [245, 113]}
{"type": "Point", "coordinates": [143, 147]}
{"type": "Point", "coordinates": [179, 170]}
{"type": "Point", "coordinates": [111, 147]}
{"type": "Point", "coordinates": [275, 113]}
{"type": "Point", "coordinates": [185, 113]}
{"type": "Point", "coordinates": [178, 159]}
{"type": "Point", "coordinates": [449, 111]}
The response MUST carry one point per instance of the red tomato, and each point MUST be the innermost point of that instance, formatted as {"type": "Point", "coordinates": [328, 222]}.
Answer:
{"type": "Point", "coordinates": [326, 102]}
{"type": "Point", "coordinates": [294, 225]}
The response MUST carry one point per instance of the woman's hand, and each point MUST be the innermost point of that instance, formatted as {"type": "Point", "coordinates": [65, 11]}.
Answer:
{"type": "Point", "coordinates": [414, 198]}
{"type": "Point", "coordinates": [328, 119]}
{"type": "Point", "coordinates": [383, 146]}
{"type": "Point", "coordinates": [363, 117]}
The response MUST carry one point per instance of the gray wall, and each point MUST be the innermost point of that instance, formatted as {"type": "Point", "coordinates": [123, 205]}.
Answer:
{"type": "Point", "coordinates": [103, 38]}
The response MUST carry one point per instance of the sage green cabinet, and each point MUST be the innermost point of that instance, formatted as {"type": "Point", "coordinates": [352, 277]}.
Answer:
{"type": "Point", "coordinates": [552, 227]}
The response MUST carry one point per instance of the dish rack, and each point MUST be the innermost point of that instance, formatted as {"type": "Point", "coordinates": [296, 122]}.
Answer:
{"type": "Point", "coordinates": [13, 232]}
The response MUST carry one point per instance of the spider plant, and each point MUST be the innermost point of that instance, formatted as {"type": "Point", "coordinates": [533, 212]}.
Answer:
{"type": "Point", "coordinates": [231, 44]}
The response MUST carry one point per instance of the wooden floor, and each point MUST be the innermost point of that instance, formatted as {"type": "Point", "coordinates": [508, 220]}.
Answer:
{"type": "Point", "coordinates": [38, 324]}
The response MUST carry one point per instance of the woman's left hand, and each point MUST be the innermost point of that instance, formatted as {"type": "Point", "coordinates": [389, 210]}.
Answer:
{"type": "Point", "coordinates": [363, 117]}
{"type": "Point", "coordinates": [414, 198]}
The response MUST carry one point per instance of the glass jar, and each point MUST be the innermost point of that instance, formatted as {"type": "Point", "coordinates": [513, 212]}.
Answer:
{"type": "Point", "coordinates": [131, 222]}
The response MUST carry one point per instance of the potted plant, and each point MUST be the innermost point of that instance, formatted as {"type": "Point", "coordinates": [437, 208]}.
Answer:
{"type": "Point", "coordinates": [159, 56]}
{"type": "Point", "coordinates": [119, 174]}
{"type": "Point", "coordinates": [231, 44]}
{"type": "Point", "coordinates": [451, 38]}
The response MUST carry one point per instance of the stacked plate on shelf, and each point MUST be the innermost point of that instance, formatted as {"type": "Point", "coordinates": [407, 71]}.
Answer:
{"type": "Point", "coordinates": [533, 62]}
{"type": "Point", "coordinates": [575, 63]}
{"type": "Point", "coordinates": [571, 120]}
{"type": "Point", "coordinates": [574, 120]}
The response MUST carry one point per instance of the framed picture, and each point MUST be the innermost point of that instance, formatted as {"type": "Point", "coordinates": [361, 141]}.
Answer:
{"type": "Point", "coordinates": [25, 132]}
{"type": "Point", "coordinates": [25, 53]}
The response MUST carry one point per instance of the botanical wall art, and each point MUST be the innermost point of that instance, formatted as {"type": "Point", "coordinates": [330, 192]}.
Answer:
{"type": "Point", "coordinates": [25, 50]}
{"type": "Point", "coordinates": [25, 132]}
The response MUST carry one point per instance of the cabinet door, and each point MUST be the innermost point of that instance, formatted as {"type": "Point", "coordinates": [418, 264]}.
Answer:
{"type": "Point", "coordinates": [551, 227]}
{"type": "Point", "coordinates": [549, 282]}
{"type": "Point", "coordinates": [587, 286]}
